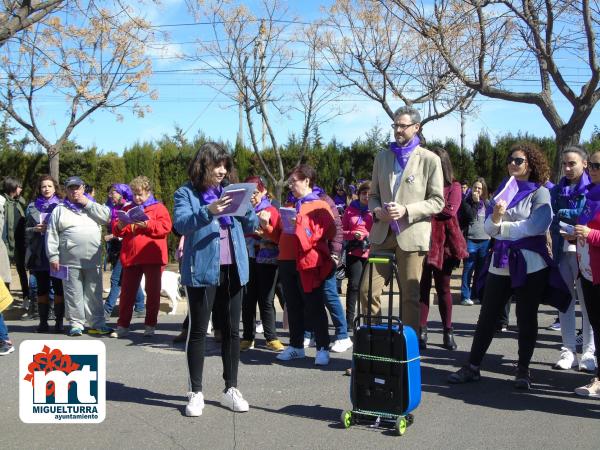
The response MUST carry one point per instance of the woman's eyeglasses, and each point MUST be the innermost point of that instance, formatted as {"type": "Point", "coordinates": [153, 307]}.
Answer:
{"type": "Point", "coordinates": [594, 166]}
{"type": "Point", "coordinates": [517, 161]}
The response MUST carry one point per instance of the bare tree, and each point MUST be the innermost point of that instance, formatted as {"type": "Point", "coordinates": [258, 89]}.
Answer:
{"type": "Point", "coordinates": [18, 15]}
{"type": "Point", "coordinates": [372, 51]}
{"type": "Point", "coordinates": [96, 60]}
{"type": "Point", "coordinates": [519, 51]}
{"type": "Point", "coordinates": [252, 52]}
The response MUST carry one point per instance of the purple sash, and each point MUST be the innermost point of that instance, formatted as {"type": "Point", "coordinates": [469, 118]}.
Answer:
{"type": "Point", "coordinates": [570, 193]}
{"type": "Point", "coordinates": [592, 204]}
{"type": "Point", "coordinates": [307, 198]}
{"type": "Point", "coordinates": [46, 205]}
{"type": "Point", "coordinates": [212, 194]}
{"type": "Point", "coordinates": [77, 207]}
{"type": "Point", "coordinates": [264, 203]}
{"type": "Point", "coordinates": [525, 188]}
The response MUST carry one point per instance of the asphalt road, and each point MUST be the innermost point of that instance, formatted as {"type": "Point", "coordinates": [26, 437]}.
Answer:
{"type": "Point", "coordinates": [297, 405]}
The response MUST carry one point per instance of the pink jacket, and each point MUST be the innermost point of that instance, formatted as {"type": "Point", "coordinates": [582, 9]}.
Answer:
{"type": "Point", "coordinates": [593, 240]}
{"type": "Point", "coordinates": [353, 221]}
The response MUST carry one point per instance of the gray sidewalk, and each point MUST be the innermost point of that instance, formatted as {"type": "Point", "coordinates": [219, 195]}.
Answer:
{"type": "Point", "coordinates": [296, 405]}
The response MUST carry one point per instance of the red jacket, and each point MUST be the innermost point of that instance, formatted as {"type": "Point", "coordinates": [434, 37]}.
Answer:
{"type": "Point", "coordinates": [314, 230]}
{"type": "Point", "coordinates": [447, 240]}
{"type": "Point", "coordinates": [593, 241]}
{"type": "Point", "coordinates": [146, 245]}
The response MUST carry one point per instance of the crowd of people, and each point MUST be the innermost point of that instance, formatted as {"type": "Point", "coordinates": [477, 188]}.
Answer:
{"type": "Point", "coordinates": [529, 243]}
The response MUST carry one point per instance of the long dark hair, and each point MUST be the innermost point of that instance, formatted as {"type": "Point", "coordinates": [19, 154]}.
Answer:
{"type": "Point", "coordinates": [208, 156]}
{"type": "Point", "coordinates": [446, 165]}
{"type": "Point", "coordinates": [57, 187]}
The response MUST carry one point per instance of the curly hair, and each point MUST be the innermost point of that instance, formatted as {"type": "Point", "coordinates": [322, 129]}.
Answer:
{"type": "Point", "coordinates": [141, 182]}
{"type": "Point", "coordinates": [538, 163]}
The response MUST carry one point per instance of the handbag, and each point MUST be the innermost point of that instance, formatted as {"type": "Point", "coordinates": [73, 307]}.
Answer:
{"type": "Point", "coordinates": [5, 298]}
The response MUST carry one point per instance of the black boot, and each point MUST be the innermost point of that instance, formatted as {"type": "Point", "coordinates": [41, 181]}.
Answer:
{"type": "Point", "coordinates": [423, 338]}
{"type": "Point", "coordinates": [59, 313]}
{"type": "Point", "coordinates": [449, 339]}
{"type": "Point", "coordinates": [44, 309]}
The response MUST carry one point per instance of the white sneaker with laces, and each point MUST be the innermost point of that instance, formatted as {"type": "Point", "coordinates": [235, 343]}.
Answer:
{"type": "Point", "coordinates": [322, 358]}
{"type": "Point", "coordinates": [195, 404]}
{"type": "Point", "coordinates": [587, 363]}
{"type": "Point", "coordinates": [590, 390]}
{"type": "Point", "coordinates": [341, 345]}
{"type": "Point", "coordinates": [291, 353]}
{"type": "Point", "coordinates": [567, 360]}
{"type": "Point", "coordinates": [233, 400]}
{"type": "Point", "coordinates": [148, 330]}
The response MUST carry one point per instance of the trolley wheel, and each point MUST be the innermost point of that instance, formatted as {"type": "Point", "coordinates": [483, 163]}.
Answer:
{"type": "Point", "coordinates": [401, 425]}
{"type": "Point", "coordinates": [346, 418]}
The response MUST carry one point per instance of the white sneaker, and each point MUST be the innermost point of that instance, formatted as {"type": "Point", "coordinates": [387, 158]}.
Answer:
{"type": "Point", "coordinates": [587, 363]}
{"type": "Point", "coordinates": [148, 330]}
{"type": "Point", "coordinates": [122, 332]}
{"type": "Point", "coordinates": [467, 302]}
{"type": "Point", "coordinates": [590, 390]}
{"type": "Point", "coordinates": [259, 327]}
{"type": "Point", "coordinates": [195, 404]}
{"type": "Point", "coordinates": [291, 353]}
{"type": "Point", "coordinates": [322, 358]}
{"type": "Point", "coordinates": [341, 345]}
{"type": "Point", "coordinates": [233, 400]}
{"type": "Point", "coordinates": [567, 360]}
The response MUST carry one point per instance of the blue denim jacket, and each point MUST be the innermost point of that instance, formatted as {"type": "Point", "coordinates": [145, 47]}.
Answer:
{"type": "Point", "coordinates": [562, 213]}
{"type": "Point", "coordinates": [200, 261]}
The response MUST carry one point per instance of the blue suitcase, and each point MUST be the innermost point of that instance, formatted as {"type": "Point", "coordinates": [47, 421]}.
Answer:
{"type": "Point", "coordinates": [385, 385]}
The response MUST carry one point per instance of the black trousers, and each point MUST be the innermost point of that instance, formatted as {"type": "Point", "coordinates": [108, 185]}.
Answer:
{"type": "Point", "coordinates": [497, 293]}
{"type": "Point", "coordinates": [354, 268]}
{"type": "Point", "coordinates": [591, 296]}
{"type": "Point", "coordinates": [227, 299]}
{"type": "Point", "coordinates": [260, 289]}
{"type": "Point", "coordinates": [303, 307]}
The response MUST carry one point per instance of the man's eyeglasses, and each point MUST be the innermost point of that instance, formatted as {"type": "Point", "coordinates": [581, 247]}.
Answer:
{"type": "Point", "coordinates": [517, 161]}
{"type": "Point", "coordinates": [594, 166]}
{"type": "Point", "coordinates": [402, 126]}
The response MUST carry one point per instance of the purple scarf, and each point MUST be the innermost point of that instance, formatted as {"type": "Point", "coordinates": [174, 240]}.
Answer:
{"type": "Point", "coordinates": [264, 203]}
{"type": "Point", "coordinates": [150, 201]}
{"type": "Point", "coordinates": [212, 194]}
{"type": "Point", "coordinates": [362, 210]}
{"type": "Point", "coordinates": [316, 190]}
{"type": "Point", "coordinates": [46, 205]}
{"type": "Point", "coordinates": [307, 198]}
{"type": "Point", "coordinates": [569, 192]}
{"type": "Point", "coordinates": [340, 200]}
{"type": "Point", "coordinates": [592, 204]}
{"type": "Point", "coordinates": [525, 189]}
{"type": "Point", "coordinates": [77, 207]}
{"type": "Point", "coordinates": [404, 152]}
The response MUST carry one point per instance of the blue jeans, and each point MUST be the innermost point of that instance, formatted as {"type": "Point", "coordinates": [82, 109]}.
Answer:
{"type": "Point", "coordinates": [477, 253]}
{"type": "Point", "coordinates": [115, 291]}
{"type": "Point", "coordinates": [3, 329]}
{"type": "Point", "coordinates": [334, 306]}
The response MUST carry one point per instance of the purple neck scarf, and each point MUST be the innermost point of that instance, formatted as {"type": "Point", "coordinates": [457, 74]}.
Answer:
{"type": "Point", "coordinates": [592, 204]}
{"type": "Point", "coordinates": [150, 201]}
{"type": "Point", "coordinates": [362, 209]}
{"type": "Point", "coordinates": [213, 194]}
{"type": "Point", "coordinates": [46, 205]}
{"type": "Point", "coordinates": [77, 207]}
{"type": "Point", "coordinates": [307, 198]}
{"type": "Point", "coordinates": [404, 152]}
{"type": "Point", "coordinates": [316, 190]}
{"type": "Point", "coordinates": [340, 200]}
{"type": "Point", "coordinates": [569, 192]}
{"type": "Point", "coordinates": [264, 203]}
{"type": "Point", "coordinates": [525, 189]}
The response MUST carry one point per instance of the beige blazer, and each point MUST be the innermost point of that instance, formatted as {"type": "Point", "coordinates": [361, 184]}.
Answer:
{"type": "Point", "coordinates": [421, 191]}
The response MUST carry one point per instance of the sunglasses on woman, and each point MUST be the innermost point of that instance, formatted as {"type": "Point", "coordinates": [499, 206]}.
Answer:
{"type": "Point", "coordinates": [517, 161]}
{"type": "Point", "coordinates": [594, 166]}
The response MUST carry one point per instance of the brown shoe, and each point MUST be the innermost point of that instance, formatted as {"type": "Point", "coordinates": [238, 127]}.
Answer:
{"type": "Point", "coordinates": [275, 345]}
{"type": "Point", "coordinates": [181, 337]}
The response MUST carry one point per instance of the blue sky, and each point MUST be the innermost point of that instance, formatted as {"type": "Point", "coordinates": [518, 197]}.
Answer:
{"type": "Point", "coordinates": [184, 101]}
